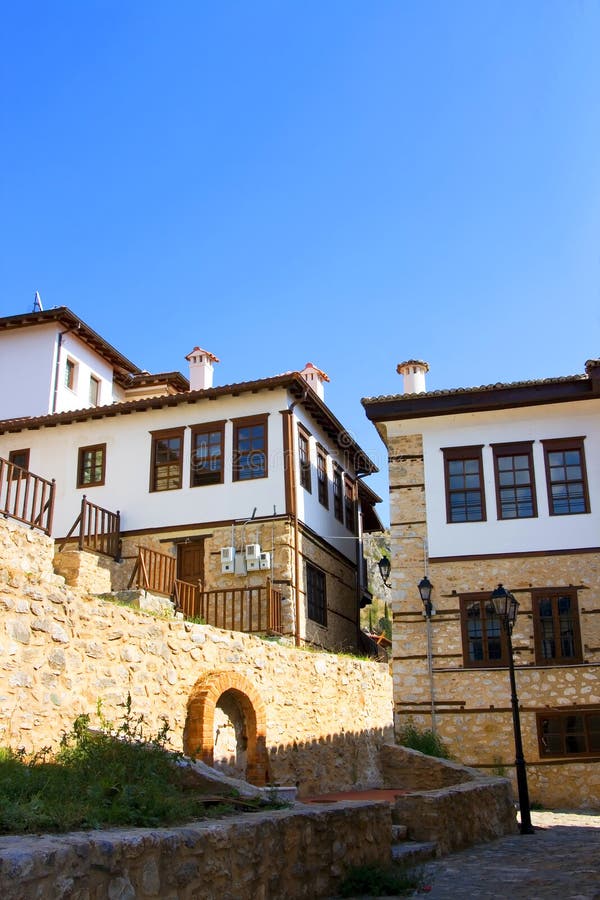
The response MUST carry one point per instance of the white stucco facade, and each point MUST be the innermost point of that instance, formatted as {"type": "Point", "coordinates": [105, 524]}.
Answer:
{"type": "Point", "coordinates": [537, 423]}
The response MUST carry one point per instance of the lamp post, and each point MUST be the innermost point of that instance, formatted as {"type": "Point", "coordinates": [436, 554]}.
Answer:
{"type": "Point", "coordinates": [425, 588]}
{"type": "Point", "coordinates": [505, 606]}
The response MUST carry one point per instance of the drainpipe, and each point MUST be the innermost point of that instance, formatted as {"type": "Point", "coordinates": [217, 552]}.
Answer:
{"type": "Point", "coordinates": [57, 366]}
{"type": "Point", "coordinates": [294, 503]}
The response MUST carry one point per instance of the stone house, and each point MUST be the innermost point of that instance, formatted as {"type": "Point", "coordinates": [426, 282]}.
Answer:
{"type": "Point", "coordinates": [499, 485]}
{"type": "Point", "coordinates": [245, 501]}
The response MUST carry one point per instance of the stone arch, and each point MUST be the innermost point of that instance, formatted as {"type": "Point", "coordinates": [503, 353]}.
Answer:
{"type": "Point", "coordinates": [198, 736]}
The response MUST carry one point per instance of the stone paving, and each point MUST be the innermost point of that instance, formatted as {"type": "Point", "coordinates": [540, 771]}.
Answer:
{"type": "Point", "coordinates": [560, 861]}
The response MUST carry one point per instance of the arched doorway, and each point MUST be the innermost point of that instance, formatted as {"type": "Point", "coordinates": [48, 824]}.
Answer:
{"type": "Point", "coordinates": [226, 726]}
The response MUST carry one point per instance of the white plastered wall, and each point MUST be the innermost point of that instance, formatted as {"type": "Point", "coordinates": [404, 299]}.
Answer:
{"type": "Point", "coordinates": [546, 532]}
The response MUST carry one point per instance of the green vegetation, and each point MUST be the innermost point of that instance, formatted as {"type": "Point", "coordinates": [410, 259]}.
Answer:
{"type": "Point", "coordinates": [109, 777]}
{"type": "Point", "coordinates": [379, 881]}
{"type": "Point", "coordinates": [426, 741]}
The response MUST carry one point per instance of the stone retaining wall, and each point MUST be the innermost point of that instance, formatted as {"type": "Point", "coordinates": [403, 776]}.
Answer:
{"type": "Point", "coordinates": [61, 651]}
{"type": "Point", "coordinates": [287, 854]}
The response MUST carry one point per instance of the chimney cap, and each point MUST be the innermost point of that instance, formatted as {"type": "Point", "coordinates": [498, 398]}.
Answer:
{"type": "Point", "coordinates": [210, 355]}
{"type": "Point", "coordinates": [320, 372]}
{"type": "Point", "coordinates": [412, 362]}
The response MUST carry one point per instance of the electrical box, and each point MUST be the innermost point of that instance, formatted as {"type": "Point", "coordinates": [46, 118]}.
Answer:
{"type": "Point", "coordinates": [227, 559]}
{"type": "Point", "coordinates": [253, 551]}
{"type": "Point", "coordinates": [265, 560]}
{"type": "Point", "coordinates": [240, 564]}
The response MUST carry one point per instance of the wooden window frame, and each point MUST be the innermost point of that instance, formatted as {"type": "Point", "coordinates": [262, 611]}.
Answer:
{"type": "Point", "coordinates": [486, 663]}
{"type": "Point", "coordinates": [304, 463]}
{"type": "Point", "coordinates": [522, 448]}
{"type": "Point", "coordinates": [316, 605]}
{"type": "Point", "coordinates": [349, 505]}
{"type": "Point", "coordinates": [94, 380]}
{"type": "Point", "coordinates": [338, 494]}
{"type": "Point", "coordinates": [553, 594]}
{"type": "Point", "coordinates": [451, 454]}
{"type": "Point", "coordinates": [70, 374]}
{"type": "Point", "coordinates": [207, 428]}
{"type": "Point", "coordinates": [165, 434]}
{"type": "Point", "coordinates": [248, 422]}
{"type": "Point", "coordinates": [81, 454]}
{"type": "Point", "coordinates": [566, 444]}
{"type": "Point", "coordinates": [562, 716]}
{"type": "Point", "coordinates": [13, 455]}
{"type": "Point", "coordinates": [322, 477]}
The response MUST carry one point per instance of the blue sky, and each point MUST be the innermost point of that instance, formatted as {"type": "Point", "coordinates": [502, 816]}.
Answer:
{"type": "Point", "coordinates": [350, 183]}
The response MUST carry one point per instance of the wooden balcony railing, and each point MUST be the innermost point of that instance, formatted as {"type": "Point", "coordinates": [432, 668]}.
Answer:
{"type": "Point", "coordinates": [26, 497]}
{"type": "Point", "coordinates": [248, 609]}
{"type": "Point", "coordinates": [154, 571]}
{"type": "Point", "coordinates": [97, 529]}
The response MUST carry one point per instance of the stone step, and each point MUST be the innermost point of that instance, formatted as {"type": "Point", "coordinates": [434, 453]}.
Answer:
{"type": "Point", "coordinates": [399, 833]}
{"type": "Point", "coordinates": [410, 852]}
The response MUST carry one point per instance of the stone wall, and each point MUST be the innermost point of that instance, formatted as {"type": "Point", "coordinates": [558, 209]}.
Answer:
{"type": "Point", "coordinates": [280, 855]}
{"type": "Point", "coordinates": [62, 651]}
{"type": "Point", "coordinates": [472, 705]}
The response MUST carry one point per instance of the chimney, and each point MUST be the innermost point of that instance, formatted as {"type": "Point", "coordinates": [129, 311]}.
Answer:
{"type": "Point", "coordinates": [201, 369]}
{"type": "Point", "coordinates": [315, 378]}
{"type": "Point", "coordinates": [414, 375]}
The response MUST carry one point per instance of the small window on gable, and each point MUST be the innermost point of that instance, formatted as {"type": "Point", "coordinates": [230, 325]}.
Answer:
{"type": "Point", "coordinates": [70, 374]}
{"type": "Point", "coordinates": [94, 390]}
{"type": "Point", "coordinates": [304, 458]}
{"type": "Point", "coordinates": [91, 466]}
{"type": "Point", "coordinates": [465, 497]}
{"type": "Point", "coordinates": [566, 477]}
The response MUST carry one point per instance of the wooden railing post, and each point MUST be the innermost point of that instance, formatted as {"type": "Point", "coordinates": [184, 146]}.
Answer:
{"type": "Point", "coordinates": [82, 522]}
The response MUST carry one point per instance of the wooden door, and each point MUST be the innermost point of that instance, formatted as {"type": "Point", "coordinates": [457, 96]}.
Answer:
{"type": "Point", "coordinates": [190, 562]}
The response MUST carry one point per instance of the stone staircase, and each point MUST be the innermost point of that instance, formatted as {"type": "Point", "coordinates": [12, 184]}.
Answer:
{"type": "Point", "coordinates": [409, 853]}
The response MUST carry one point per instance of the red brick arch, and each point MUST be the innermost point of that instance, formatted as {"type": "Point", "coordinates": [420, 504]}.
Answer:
{"type": "Point", "coordinates": [198, 736]}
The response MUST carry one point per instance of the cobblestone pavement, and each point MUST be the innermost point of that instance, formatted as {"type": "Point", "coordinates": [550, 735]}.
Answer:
{"type": "Point", "coordinates": [561, 861]}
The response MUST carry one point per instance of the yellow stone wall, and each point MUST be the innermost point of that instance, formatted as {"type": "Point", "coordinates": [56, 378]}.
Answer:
{"type": "Point", "coordinates": [472, 706]}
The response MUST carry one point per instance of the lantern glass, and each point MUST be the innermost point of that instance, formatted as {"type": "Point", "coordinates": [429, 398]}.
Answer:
{"type": "Point", "coordinates": [425, 588]}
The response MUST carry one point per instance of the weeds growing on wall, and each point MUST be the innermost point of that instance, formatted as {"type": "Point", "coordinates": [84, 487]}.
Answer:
{"type": "Point", "coordinates": [426, 741]}
{"type": "Point", "coordinates": [116, 775]}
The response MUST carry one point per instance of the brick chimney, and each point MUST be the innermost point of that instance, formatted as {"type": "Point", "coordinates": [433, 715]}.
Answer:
{"type": "Point", "coordinates": [414, 371]}
{"type": "Point", "coordinates": [201, 369]}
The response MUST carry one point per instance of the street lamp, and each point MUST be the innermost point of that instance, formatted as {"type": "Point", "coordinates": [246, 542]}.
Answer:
{"type": "Point", "coordinates": [505, 606]}
{"type": "Point", "coordinates": [385, 567]}
{"type": "Point", "coordinates": [425, 588]}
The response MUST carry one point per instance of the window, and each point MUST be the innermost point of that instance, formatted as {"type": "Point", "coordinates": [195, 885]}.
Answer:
{"type": "Point", "coordinates": [250, 448]}
{"type": "Point", "coordinates": [484, 640]}
{"type": "Point", "coordinates": [566, 477]}
{"type": "Point", "coordinates": [167, 460]}
{"type": "Point", "coordinates": [207, 454]}
{"type": "Point", "coordinates": [465, 498]}
{"type": "Point", "coordinates": [515, 482]}
{"type": "Point", "coordinates": [304, 457]}
{"type": "Point", "coordinates": [556, 627]}
{"type": "Point", "coordinates": [19, 458]}
{"type": "Point", "coordinates": [94, 390]}
{"type": "Point", "coordinates": [338, 505]}
{"type": "Point", "coordinates": [322, 478]}
{"type": "Point", "coordinates": [91, 465]}
{"type": "Point", "coordinates": [572, 733]}
{"type": "Point", "coordinates": [70, 368]}
{"type": "Point", "coordinates": [316, 595]}
{"type": "Point", "coordinates": [349, 514]}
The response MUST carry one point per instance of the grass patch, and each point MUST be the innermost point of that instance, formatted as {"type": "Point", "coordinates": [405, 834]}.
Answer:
{"type": "Point", "coordinates": [115, 776]}
{"type": "Point", "coordinates": [426, 741]}
{"type": "Point", "coordinates": [379, 881]}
